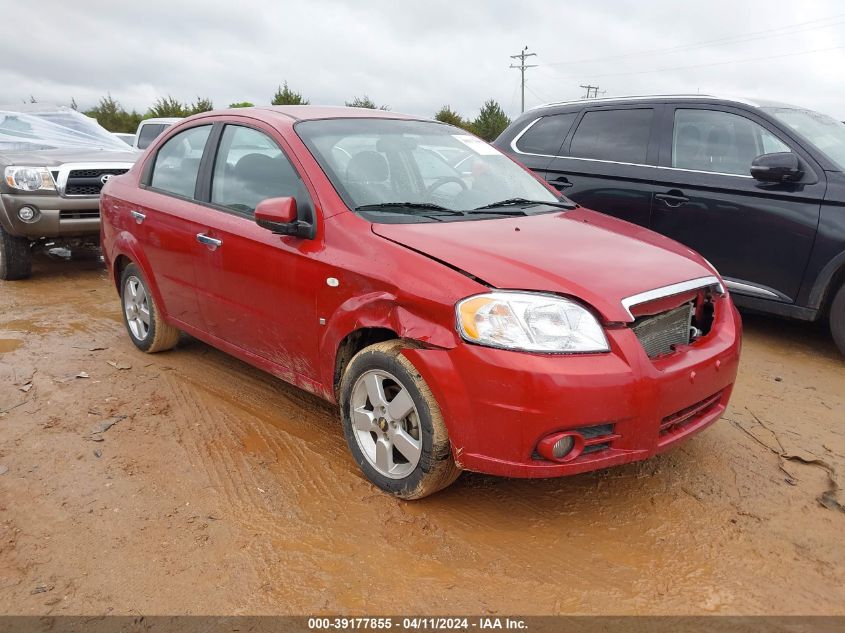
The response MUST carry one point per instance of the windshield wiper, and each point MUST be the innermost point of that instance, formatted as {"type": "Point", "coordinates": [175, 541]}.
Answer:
{"type": "Point", "coordinates": [409, 206]}
{"type": "Point", "coordinates": [523, 202]}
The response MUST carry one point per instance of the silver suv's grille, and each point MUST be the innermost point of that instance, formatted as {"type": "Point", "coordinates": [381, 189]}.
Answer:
{"type": "Point", "coordinates": [660, 333]}
{"type": "Point", "coordinates": [88, 182]}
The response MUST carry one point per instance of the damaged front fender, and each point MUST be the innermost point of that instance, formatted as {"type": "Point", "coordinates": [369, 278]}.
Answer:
{"type": "Point", "coordinates": [432, 327]}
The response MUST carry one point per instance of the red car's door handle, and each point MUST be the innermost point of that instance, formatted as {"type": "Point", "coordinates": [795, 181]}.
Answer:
{"type": "Point", "coordinates": [137, 216]}
{"type": "Point", "coordinates": [673, 198]}
{"type": "Point", "coordinates": [212, 243]}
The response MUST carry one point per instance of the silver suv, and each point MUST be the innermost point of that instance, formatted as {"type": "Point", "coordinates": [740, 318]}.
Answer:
{"type": "Point", "coordinates": [54, 162]}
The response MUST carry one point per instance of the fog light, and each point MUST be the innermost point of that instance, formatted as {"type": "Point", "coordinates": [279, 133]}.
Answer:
{"type": "Point", "coordinates": [562, 447]}
{"type": "Point", "coordinates": [27, 214]}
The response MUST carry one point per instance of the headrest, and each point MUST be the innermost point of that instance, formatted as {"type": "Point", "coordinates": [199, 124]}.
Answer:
{"type": "Point", "coordinates": [367, 166]}
{"type": "Point", "coordinates": [257, 167]}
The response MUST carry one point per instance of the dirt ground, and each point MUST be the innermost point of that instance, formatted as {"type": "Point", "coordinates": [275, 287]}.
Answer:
{"type": "Point", "coordinates": [224, 491]}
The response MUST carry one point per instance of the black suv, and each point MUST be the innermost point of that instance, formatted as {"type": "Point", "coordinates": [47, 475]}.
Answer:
{"type": "Point", "coordinates": [756, 187]}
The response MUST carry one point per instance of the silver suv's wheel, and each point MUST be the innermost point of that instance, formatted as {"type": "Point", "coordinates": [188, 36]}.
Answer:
{"type": "Point", "coordinates": [15, 257]}
{"type": "Point", "coordinates": [143, 321]}
{"type": "Point", "coordinates": [393, 425]}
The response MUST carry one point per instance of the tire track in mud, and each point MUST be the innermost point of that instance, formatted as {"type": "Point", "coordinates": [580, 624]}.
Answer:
{"type": "Point", "coordinates": [208, 435]}
{"type": "Point", "coordinates": [249, 433]}
{"type": "Point", "coordinates": [266, 416]}
{"type": "Point", "coordinates": [202, 430]}
{"type": "Point", "coordinates": [276, 482]}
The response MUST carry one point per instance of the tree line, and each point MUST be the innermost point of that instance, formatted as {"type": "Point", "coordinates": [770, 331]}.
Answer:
{"type": "Point", "coordinates": [488, 124]}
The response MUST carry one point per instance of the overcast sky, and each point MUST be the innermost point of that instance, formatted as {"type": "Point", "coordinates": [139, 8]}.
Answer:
{"type": "Point", "coordinates": [417, 56]}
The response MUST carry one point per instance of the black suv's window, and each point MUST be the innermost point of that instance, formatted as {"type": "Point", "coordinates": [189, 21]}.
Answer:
{"type": "Point", "coordinates": [250, 168]}
{"type": "Point", "coordinates": [178, 162]}
{"type": "Point", "coordinates": [546, 135]}
{"type": "Point", "coordinates": [617, 135]}
{"type": "Point", "coordinates": [721, 142]}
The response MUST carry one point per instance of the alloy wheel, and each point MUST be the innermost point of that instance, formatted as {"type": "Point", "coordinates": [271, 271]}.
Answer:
{"type": "Point", "coordinates": [385, 423]}
{"type": "Point", "coordinates": [136, 306]}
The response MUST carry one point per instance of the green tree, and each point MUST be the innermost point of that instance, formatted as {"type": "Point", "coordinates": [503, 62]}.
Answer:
{"type": "Point", "coordinates": [448, 115]}
{"type": "Point", "coordinates": [112, 116]}
{"type": "Point", "coordinates": [365, 102]}
{"type": "Point", "coordinates": [285, 96]}
{"type": "Point", "coordinates": [167, 107]}
{"type": "Point", "coordinates": [241, 104]}
{"type": "Point", "coordinates": [201, 105]}
{"type": "Point", "coordinates": [491, 121]}
{"type": "Point", "coordinates": [131, 121]}
{"type": "Point", "coordinates": [108, 113]}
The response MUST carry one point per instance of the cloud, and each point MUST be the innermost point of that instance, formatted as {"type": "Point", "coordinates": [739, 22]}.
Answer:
{"type": "Point", "coordinates": [416, 57]}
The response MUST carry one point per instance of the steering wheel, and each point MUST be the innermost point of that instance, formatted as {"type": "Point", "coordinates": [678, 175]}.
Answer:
{"type": "Point", "coordinates": [443, 181]}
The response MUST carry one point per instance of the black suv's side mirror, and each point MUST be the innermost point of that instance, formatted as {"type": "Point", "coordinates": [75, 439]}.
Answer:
{"type": "Point", "coordinates": [777, 167]}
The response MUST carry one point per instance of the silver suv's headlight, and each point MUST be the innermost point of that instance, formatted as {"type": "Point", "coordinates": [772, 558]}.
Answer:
{"type": "Point", "coordinates": [29, 178]}
{"type": "Point", "coordinates": [531, 322]}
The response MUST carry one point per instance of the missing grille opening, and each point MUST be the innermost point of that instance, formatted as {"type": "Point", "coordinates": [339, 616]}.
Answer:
{"type": "Point", "coordinates": [661, 334]}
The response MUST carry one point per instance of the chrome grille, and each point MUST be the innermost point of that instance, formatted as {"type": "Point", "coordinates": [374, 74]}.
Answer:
{"type": "Point", "coordinates": [660, 333]}
{"type": "Point", "coordinates": [88, 182]}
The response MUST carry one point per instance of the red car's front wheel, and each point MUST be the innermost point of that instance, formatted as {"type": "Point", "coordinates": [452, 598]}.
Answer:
{"type": "Point", "coordinates": [393, 425]}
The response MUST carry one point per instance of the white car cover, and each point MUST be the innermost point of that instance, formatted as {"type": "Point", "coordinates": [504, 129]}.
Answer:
{"type": "Point", "coordinates": [42, 127]}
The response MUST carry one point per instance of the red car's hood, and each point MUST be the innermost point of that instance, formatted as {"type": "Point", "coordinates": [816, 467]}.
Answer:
{"type": "Point", "coordinates": [581, 253]}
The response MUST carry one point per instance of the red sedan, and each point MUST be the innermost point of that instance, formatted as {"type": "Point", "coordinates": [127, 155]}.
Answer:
{"type": "Point", "coordinates": [462, 314]}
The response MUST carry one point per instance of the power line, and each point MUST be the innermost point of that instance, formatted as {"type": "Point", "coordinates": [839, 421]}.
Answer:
{"type": "Point", "coordinates": [725, 63]}
{"type": "Point", "coordinates": [733, 39]}
{"type": "Point", "coordinates": [522, 66]}
{"type": "Point", "coordinates": [536, 94]}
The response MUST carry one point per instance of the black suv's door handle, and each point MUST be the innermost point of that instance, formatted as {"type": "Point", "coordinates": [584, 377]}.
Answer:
{"type": "Point", "coordinates": [672, 198]}
{"type": "Point", "coordinates": [560, 183]}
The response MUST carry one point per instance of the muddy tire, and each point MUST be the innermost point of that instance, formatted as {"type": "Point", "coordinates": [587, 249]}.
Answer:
{"type": "Point", "coordinates": [141, 316]}
{"type": "Point", "coordinates": [393, 424]}
{"type": "Point", "coordinates": [15, 257]}
{"type": "Point", "coordinates": [837, 319]}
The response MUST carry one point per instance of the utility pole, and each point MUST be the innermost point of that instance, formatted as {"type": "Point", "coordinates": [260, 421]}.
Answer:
{"type": "Point", "coordinates": [592, 91]}
{"type": "Point", "coordinates": [522, 66]}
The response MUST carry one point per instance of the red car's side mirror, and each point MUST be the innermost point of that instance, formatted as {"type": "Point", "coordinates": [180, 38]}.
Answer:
{"type": "Point", "coordinates": [278, 215]}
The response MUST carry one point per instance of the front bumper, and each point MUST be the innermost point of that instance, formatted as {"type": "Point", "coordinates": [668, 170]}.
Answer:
{"type": "Point", "coordinates": [58, 217]}
{"type": "Point", "coordinates": [499, 404]}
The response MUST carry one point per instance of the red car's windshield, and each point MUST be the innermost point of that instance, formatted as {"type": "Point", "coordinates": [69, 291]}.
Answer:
{"type": "Point", "coordinates": [391, 164]}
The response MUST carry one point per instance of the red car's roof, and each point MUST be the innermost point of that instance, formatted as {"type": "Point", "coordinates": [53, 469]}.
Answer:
{"type": "Point", "coordinates": [309, 112]}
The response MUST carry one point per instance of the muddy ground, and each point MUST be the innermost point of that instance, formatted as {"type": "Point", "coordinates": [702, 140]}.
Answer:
{"type": "Point", "coordinates": [225, 491]}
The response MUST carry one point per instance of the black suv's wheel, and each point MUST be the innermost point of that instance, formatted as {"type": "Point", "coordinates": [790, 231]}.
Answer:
{"type": "Point", "coordinates": [143, 321]}
{"type": "Point", "coordinates": [837, 319]}
{"type": "Point", "coordinates": [15, 257]}
{"type": "Point", "coordinates": [393, 425]}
